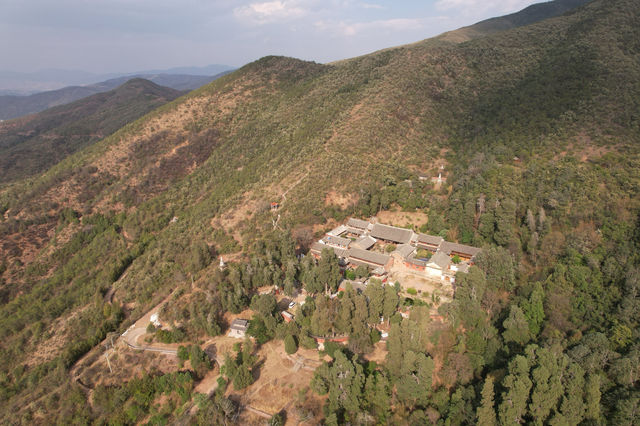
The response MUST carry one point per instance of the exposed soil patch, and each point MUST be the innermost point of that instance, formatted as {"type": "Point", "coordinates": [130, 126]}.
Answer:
{"type": "Point", "coordinates": [282, 385]}
{"type": "Point", "coordinates": [336, 199]}
{"type": "Point", "coordinates": [125, 364]}
{"type": "Point", "coordinates": [379, 353]}
{"type": "Point", "coordinates": [399, 218]}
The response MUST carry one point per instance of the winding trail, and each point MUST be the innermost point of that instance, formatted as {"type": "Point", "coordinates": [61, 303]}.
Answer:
{"type": "Point", "coordinates": [131, 336]}
{"type": "Point", "coordinates": [284, 195]}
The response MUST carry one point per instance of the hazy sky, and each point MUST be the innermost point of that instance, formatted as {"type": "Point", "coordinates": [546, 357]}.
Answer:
{"type": "Point", "coordinates": [129, 35]}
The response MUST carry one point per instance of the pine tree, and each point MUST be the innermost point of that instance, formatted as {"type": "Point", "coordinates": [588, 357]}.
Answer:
{"type": "Point", "coordinates": [517, 387]}
{"type": "Point", "coordinates": [486, 413]}
{"type": "Point", "coordinates": [516, 327]}
{"type": "Point", "coordinates": [534, 310]}
{"type": "Point", "coordinates": [547, 386]}
{"type": "Point", "coordinates": [375, 293]}
{"type": "Point", "coordinates": [592, 397]}
{"type": "Point", "coordinates": [242, 378]}
{"type": "Point", "coordinates": [390, 304]}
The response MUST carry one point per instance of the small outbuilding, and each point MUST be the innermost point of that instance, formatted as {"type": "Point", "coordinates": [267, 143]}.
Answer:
{"type": "Point", "coordinates": [238, 328]}
{"type": "Point", "coordinates": [438, 265]}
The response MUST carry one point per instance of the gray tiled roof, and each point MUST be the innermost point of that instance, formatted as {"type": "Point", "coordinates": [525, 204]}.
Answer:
{"type": "Point", "coordinates": [449, 248]}
{"type": "Point", "coordinates": [391, 233]}
{"type": "Point", "coordinates": [405, 250]}
{"type": "Point", "coordinates": [365, 243]}
{"type": "Point", "coordinates": [338, 231]}
{"type": "Point", "coordinates": [432, 240]}
{"type": "Point", "coordinates": [463, 267]}
{"type": "Point", "coordinates": [356, 231]}
{"type": "Point", "coordinates": [337, 241]}
{"type": "Point", "coordinates": [368, 256]}
{"type": "Point", "coordinates": [318, 247]}
{"type": "Point", "coordinates": [440, 260]}
{"type": "Point", "coordinates": [357, 223]}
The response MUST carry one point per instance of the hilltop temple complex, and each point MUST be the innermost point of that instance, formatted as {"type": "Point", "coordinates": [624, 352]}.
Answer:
{"type": "Point", "coordinates": [382, 248]}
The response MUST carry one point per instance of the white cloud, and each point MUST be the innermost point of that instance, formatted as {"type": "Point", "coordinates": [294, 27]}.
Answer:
{"type": "Point", "coordinates": [271, 11]}
{"type": "Point", "coordinates": [371, 6]}
{"type": "Point", "coordinates": [355, 28]}
{"type": "Point", "coordinates": [472, 7]}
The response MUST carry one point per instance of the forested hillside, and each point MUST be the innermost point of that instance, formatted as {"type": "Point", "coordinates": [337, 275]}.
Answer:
{"type": "Point", "coordinates": [34, 143]}
{"type": "Point", "coordinates": [538, 128]}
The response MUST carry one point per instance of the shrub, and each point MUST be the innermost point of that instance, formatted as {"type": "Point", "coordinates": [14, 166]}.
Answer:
{"type": "Point", "coordinates": [350, 274]}
{"type": "Point", "coordinates": [183, 353]}
{"type": "Point", "coordinates": [308, 342]}
{"type": "Point", "coordinates": [412, 291]}
{"type": "Point", "coordinates": [375, 336]}
{"type": "Point", "coordinates": [423, 254]}
{"type": "Point", "coordinates": [331, 347]}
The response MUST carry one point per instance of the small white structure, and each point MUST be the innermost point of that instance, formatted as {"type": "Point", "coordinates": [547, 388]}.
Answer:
{"type": "Point", "coordinates": [222, 264]}
{"type": "Point", "coordinates": [438, 265]}
{"type": "Point", "coordinates": [155, 320]}
{"type": "Point", "coordinates": [238, 328]}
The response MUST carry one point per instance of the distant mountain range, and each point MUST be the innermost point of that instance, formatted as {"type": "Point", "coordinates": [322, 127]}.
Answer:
{"type": "Point", "coordinates": [31, 144]}
{"type": "Point", "coordinates": [12, 106]}
{"type": "Point", "coordinates": [28, 83]}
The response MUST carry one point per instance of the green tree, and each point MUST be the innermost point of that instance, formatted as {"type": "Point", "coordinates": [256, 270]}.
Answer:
{"type": "Point", "coordinates": [486, 413]}
{"type": "Point", "coordinates": [375, 293]}
{"type": "Point", "coordinates": [504, 216]}
{"type": "Point", "coordinates": [290, 345]}
{"type": "Point", "coordinates": [572, 408]}
{"type": "Point", "coordinates": [414, 385]}
{"type": "Point", "coordinates": [265, 304]}
{"type": "Point", "coordinates": [200, 256]}
{"type": "Point", "coordinates": [321, 320]}
{"type": "Point", "coordinates": [346, 383]}
{"type": "Point", "coordinates": [183, 353]}
{"type": "Point", "coordinates": [516, 327]}
{"type": "Point", "coordinates": [362, 271]}
{"type": "Point", "coordinates": [547, 386]}
{"type": "Point", "coordinates": [534, 310]}
{"type": "Point", "coordinates": [377, 396]}
{"type": "Point", "coordinates": [498, 266]}
{"type": "Point", "coordinates": [276, 420]}
{"type": "Point", "coordinates": [517, 385]}
{"type": "Point", "coordinates": [242, 377]}
{"type": "Point", "coordinates": [592, 397]}
{"type": "Point", "coordinates": [258, 329]}
{"type": "Point", "coordinates": [391, 300]}
{"type": "Point", "coordinates": [329, 270]}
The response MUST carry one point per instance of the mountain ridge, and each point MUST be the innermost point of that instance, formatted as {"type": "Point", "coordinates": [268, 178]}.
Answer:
{"type": "Point", "coordinates": [25, 83]}
{"type": "Point", "coordinates": [12, 106]}
{"type": "Point", "coordinates": [529, 15]}
{"type": "Point", "coordinates": [31, 144]}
